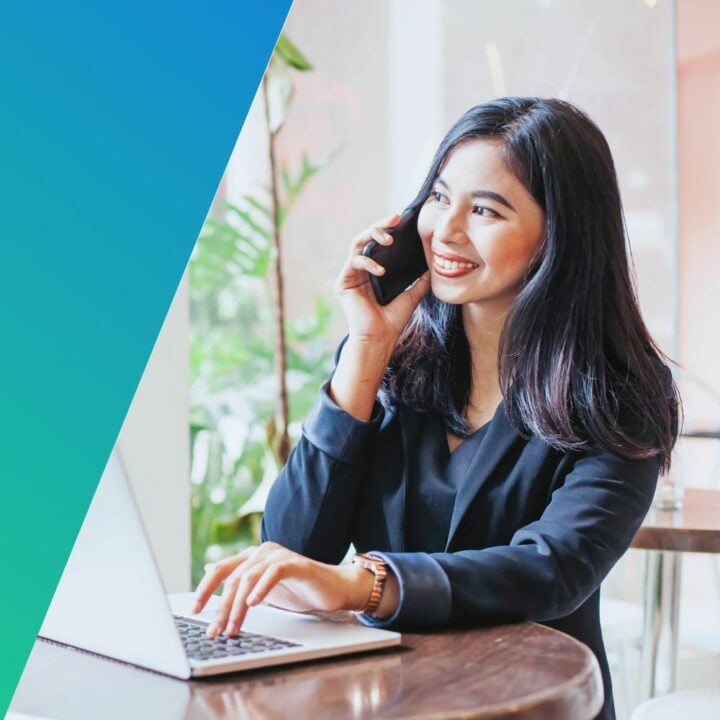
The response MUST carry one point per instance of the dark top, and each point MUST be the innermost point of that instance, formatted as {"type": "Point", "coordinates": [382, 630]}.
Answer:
{"type": "Point", "coordinates": [436, 476]}
{"type": "Point", "coordinates": [533, 531]}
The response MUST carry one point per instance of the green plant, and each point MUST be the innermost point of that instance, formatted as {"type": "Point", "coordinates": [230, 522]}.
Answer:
{"type": "Point", "coordinates": [254, 375]}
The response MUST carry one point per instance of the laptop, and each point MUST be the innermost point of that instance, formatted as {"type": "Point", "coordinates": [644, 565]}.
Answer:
{"type": "Point", "coordinates": [111, 601]}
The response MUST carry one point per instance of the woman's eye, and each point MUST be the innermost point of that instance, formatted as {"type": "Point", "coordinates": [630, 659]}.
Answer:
{"type": "Point", "coordinates": [482, 210]}
{"type": "Point", "coordinates": [485, 211]}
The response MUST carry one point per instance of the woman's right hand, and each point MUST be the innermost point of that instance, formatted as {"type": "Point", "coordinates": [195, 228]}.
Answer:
{"type": "Point", "coordinates": [366, 318]}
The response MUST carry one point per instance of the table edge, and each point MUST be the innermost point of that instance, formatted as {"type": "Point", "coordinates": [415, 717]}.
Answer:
{"type": "Point", "coordinates": [590, 673]}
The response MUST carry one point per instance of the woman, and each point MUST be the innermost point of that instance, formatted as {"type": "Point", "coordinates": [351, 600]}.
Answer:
{"type": "Point", "coordinates": [493, 437]}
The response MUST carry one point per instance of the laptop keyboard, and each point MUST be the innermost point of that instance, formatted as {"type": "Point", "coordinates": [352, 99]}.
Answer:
{"type": "Point", "coordinates": [199, 647]}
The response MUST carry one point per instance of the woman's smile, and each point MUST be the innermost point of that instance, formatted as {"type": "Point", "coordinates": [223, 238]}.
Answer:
{"type": "Point", "coordinates": [451, 266]}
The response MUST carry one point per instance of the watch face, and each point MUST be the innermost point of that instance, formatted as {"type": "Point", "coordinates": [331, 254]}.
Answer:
{"type": "Point", "coordinates": [365, 560]}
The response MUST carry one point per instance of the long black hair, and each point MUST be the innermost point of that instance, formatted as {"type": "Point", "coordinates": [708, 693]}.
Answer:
{"type": "Point", "coordinates": [578, 367]}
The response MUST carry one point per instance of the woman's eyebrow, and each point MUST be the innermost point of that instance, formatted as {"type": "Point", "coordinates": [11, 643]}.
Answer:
{"type": "Point", "coordinates": [487, 194]}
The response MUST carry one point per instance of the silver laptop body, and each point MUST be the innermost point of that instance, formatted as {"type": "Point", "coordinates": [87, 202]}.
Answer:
{"type": "Point", "coordinates": [111, 601]}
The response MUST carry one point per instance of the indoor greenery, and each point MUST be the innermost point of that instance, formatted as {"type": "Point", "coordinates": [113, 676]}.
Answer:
{"type": "Point", "coordinates": [254, 374]}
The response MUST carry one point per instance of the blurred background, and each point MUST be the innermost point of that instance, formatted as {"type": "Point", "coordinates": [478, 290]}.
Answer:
{"type": "Point", "coordinates": [354, 103]}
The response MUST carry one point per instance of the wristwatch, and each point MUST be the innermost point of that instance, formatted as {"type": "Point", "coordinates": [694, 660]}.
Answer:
{"type": "Point", "coordinates": [378, 567]}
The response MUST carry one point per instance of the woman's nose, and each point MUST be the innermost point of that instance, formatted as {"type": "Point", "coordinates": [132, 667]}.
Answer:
{"type": "Point", "coordinates": [450, 228]}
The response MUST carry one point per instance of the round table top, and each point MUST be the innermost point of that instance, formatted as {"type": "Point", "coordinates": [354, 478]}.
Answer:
{"type": "Point", "coordinates": [521, 671]}
{"type": "Point", "coordinates": [518, 671]}
{"type": "Point", "coordinates": [693, 528]}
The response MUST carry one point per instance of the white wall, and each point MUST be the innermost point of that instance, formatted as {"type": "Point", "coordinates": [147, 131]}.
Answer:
{"type": "Point", "coordinates": [154, 444]}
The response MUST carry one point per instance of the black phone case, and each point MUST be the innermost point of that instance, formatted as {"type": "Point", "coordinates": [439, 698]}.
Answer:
{"type": "Point", "coordinates": [404, 260]}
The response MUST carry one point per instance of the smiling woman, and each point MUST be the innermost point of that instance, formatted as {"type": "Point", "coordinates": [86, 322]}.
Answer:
{"type": "Point", "coordinates": [491, 439]}
{"type": "Point", "coordinates": [488, 244]}
{"type": "Point", "coordinates": [549, 321]}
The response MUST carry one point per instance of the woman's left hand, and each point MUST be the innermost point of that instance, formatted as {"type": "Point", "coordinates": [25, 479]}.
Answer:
{"type": "Point", "coordinates": [285, 578]}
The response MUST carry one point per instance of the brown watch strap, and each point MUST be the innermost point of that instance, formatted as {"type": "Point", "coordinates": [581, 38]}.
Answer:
{"type": "Point", "coordinates": [379, 569]}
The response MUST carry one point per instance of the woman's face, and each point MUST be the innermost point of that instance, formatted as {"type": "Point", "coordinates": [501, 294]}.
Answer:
{"type": "Point", "coordinates": [479, 227]}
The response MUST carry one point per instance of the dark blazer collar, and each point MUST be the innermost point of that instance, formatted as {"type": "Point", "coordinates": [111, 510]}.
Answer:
{"type": "Point", "coordinates": [394, 498]}
{"type": "Point", "coordinates": [493, 446]}
{"type": "Point", "coordinates": [496, 442]}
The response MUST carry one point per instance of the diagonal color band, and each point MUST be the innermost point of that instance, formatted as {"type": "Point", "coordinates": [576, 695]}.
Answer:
{"type": "Point", "coordinates": [117, 122]}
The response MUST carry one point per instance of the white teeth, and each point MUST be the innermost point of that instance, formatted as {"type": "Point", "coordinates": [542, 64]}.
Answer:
{"type": "Point", "coordinates": [452, 264]}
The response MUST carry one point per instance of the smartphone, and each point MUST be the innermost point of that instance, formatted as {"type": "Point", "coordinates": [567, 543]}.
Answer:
{"type": "Point", "coordinates": [403, 260]}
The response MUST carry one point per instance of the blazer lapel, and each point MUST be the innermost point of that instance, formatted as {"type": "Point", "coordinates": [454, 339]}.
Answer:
{"type": "Point", "coordinates": [394, 498]}
{"type": "Point", "coordinates": [498, 439]}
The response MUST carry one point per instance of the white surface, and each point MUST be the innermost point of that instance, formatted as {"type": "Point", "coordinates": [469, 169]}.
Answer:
{"type": "Point", "coordinates": [697, 704]}
{"type": "Point", "coordinates": [621, 621]}
{"type": "Point", "coordinates": [410, 144]}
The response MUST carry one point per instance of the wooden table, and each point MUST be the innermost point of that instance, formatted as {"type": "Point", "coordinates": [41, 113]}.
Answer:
{"type": "Point", "coordinates": [667, 534]}
{"type": "Point", "coordinates": [521, 671]}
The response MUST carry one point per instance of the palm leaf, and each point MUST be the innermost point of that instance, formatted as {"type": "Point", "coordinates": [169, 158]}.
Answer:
{"type": "Point", "coordinates": [289, 52]}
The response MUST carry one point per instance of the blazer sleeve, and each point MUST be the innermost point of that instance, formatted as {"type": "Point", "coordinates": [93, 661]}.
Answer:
{"type": "Point", "coordinates": [550, 567]}
{"type": "Point", "coordinates": [310, 506]}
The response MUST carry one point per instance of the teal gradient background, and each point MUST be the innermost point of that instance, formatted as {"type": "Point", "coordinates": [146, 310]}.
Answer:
{"type": "Point", "coordinates": [117, 122]}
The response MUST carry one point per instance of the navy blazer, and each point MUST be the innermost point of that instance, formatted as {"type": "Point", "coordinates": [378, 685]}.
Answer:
{"type": "Point", "coordinates": [533, 533]}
